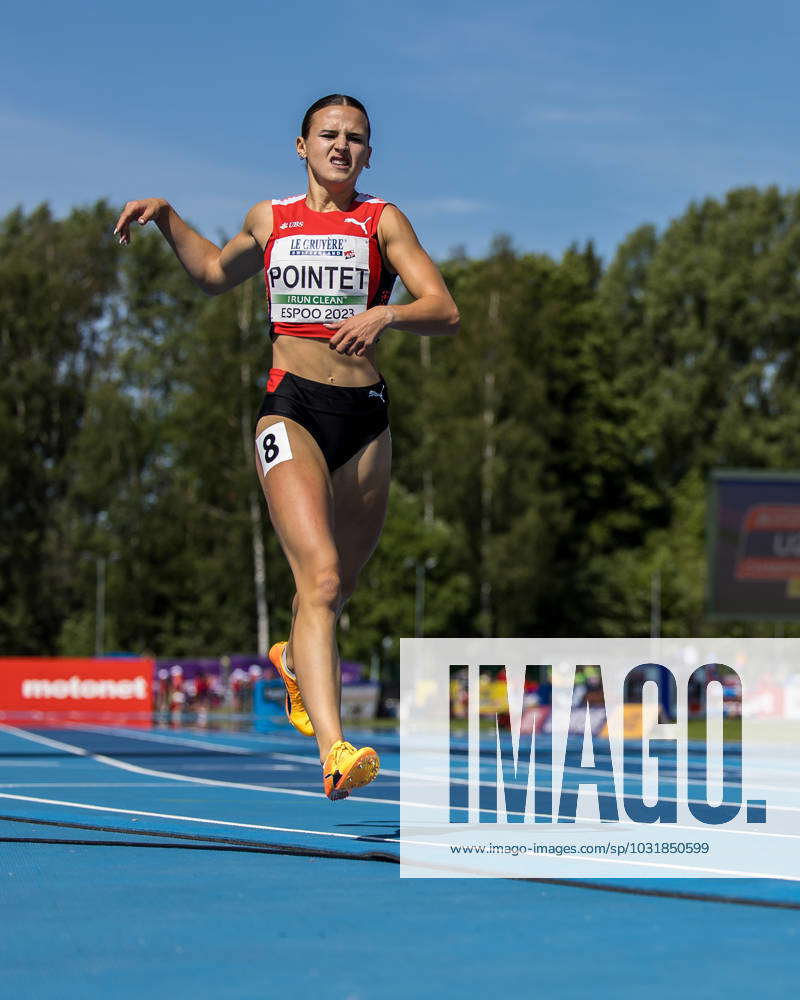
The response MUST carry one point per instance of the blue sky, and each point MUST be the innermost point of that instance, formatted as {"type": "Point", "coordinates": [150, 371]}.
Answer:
{"type": "Point", "coordinates": [552, 122]}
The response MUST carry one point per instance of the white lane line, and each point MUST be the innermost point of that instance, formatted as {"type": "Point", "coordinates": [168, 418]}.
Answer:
{"type": "Point", "coordinates": [29, 763]}
{"type": "Point", "coordinates": [279, 790]}
{"type": "Point", "coordinates": [488, 782]}
{"type": "Point", "coordinates": [394, 840]}
{"type": "Point", "coordinates": [44, 740]}
{"type": "Point", "coordinates": [160, 738]}
{"type": "Point", "coordinates": [693, 778]}
{"type": "Point", "coordinates": [88, 784]}
{"type": "Point", "coordinates": [80, 751]}
{"type": "Point", "coordinates": [414, 863]}
{"type": "Point", "coordinates": [226, 767]}
{"type": "Point", "coordinates": [184, 819]}
{"type": "Point", "coordinates": [187, 778]}
{"type": "Point", "coordinates": [392, 802]}
{"type": "Point", "coordinates": [212, 782]}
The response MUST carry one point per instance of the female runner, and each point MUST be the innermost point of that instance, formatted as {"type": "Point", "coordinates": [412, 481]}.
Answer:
{"type": "Point", "coordinates": [323, 448]}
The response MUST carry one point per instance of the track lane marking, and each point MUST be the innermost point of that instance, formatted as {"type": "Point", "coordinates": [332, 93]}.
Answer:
{"type": "Point", "coordinates": [214, 782]}
{"type": "Point", "coordinates": [399, 841]}
{"type": "Point", "coordinates": [151, 737]}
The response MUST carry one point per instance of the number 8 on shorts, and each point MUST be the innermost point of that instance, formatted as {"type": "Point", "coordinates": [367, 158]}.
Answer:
{"type": "Point", "coordinates": [272, 446]}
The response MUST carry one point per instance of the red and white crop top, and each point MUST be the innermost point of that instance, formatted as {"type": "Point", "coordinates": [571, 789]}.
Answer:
{"type": "Point", "coordinates": [323, 267]}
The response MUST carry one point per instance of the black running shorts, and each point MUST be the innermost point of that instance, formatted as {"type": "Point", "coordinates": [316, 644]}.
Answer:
{"type": "Point", "coordinates": [341, 419]}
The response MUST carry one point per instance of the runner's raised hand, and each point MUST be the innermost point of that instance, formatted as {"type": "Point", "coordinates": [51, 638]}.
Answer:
{"type": "Point", "coordinates": [142, 211]}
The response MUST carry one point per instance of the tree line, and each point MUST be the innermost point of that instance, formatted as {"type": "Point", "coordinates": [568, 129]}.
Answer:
{"type": "Point", "coordinates": [549, 462]}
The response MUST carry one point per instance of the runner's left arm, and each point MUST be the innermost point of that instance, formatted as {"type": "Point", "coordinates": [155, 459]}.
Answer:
{"type": "Point", "coordinates": [433, 311]}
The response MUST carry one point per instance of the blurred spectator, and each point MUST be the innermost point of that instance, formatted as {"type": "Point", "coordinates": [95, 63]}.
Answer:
{"type": "Point", "coordinates": [177, 696]}
{"type": "Point", "coordinates": [162, 690]}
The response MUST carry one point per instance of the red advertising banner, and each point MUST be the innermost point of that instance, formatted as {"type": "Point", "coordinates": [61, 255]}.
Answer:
{"type": "Point", "coordinates": [81, 687]}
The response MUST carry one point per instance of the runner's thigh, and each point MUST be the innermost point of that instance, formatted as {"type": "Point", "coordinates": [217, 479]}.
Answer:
{"type": "Point", "coordinates": [298, 490]}
{"type": "Point", "coordinates": [360, 499]}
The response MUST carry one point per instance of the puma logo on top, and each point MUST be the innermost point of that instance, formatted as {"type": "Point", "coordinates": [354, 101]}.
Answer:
{"type": "Point", "coordinates": [372, 392]}
{"type": "Point", "coordinates": [362, 224]}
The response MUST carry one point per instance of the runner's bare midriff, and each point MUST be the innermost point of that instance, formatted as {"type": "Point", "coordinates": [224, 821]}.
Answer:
{"type": "Point", "coordinates": [314, 359]}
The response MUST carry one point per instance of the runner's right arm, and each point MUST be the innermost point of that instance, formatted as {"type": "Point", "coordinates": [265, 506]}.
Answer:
{"type": "Point", "coordinates": [211, 269]}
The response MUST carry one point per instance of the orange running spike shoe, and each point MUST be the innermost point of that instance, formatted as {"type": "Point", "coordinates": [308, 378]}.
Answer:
{"type": "Point", "coordinates": [346, 768]}
{"type": "Point", "coordinates": [295, 709]}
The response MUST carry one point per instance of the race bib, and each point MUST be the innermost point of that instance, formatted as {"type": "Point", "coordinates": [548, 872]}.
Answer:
{"type": "Point", "coordinates": [318, 279]}
{"type": "Point", "coordinates": [272, 446]}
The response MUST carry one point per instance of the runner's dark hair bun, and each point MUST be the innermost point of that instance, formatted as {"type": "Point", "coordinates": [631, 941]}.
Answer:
{"type": "Point", "coordinates": [327, 102]}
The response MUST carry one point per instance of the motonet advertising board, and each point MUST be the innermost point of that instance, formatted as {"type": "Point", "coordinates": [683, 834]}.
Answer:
{"type": "Point", "coordinates": [83, 688]}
